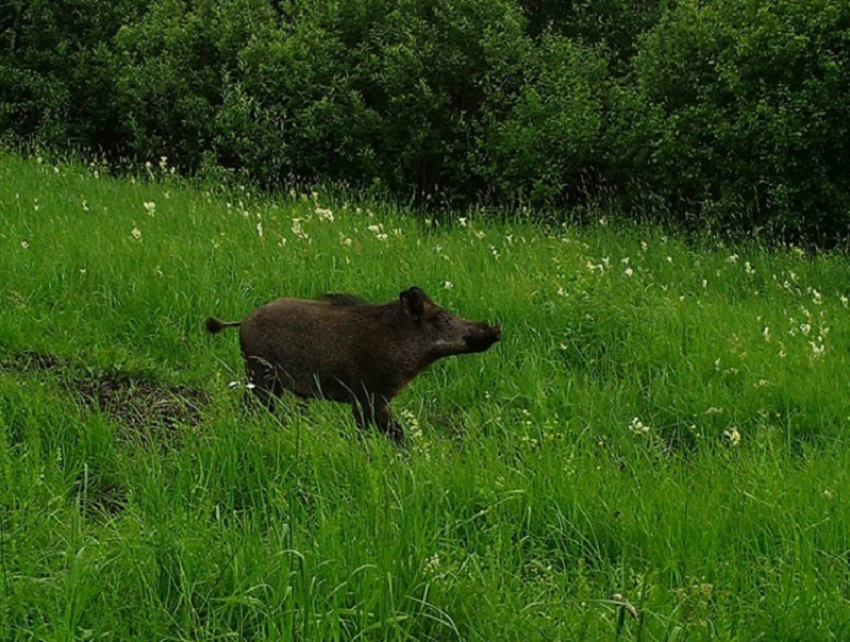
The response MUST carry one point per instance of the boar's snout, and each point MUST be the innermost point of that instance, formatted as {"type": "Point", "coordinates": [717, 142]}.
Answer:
{"type": "Point", "coordinates": [482, 336]}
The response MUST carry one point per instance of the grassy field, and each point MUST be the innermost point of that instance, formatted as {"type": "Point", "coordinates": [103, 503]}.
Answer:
{"type": "Point", "coordinates": [664, 422]}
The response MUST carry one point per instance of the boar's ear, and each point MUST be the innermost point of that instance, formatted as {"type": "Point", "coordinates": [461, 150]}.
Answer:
{"type": "Point", "coordinates": [413, 302]}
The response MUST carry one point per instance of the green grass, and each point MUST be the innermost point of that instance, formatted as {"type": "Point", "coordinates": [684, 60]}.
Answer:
{"type": "Point", "coordinates": [663, 420]}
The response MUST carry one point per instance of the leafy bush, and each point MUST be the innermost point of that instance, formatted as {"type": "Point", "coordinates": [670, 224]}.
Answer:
{"type": "Point", "coordinates": [744, 112]}
{"type": "Point", "coordinates": [732, 114]}
{"type": "Point", "coordinates": [616, 24]}
{"type": "Point", "coordinates": [172, 65]}
{"type": "Point", "coordinates": [56, 71]}
{"type": "Point", "coordinates": [378, 91]}
{"type": "Point", "coordinates": [543, 138]}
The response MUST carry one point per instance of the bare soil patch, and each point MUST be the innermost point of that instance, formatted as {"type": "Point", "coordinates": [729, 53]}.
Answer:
{"type": "Point", "coordinates": [143, 408]}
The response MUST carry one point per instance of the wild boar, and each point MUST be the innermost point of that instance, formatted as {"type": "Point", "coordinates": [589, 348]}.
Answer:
{"type": "Point", "coordinates": [344, 349]}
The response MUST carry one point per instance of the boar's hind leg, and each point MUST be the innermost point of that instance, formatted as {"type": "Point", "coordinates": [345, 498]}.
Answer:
{"type": "Point", "coordinates": [262, 380]}
{"type": "Point", "coordinates": [377, 412]}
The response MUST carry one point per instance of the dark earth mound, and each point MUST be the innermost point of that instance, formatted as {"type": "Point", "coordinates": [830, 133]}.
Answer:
{"type": "Point", "coordinates": [143, 408]}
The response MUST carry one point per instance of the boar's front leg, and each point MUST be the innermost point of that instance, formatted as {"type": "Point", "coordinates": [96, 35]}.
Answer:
{"type": "Point", "coordinates": [376, 411]}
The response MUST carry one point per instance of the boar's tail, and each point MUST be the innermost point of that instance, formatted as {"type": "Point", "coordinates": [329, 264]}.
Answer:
{"type": "Point", "coordinates": [217, 325]}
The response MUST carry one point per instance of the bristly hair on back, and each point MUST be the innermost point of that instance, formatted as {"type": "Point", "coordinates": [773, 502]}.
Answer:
{"type": "Point", "coordinates": [337, 298]}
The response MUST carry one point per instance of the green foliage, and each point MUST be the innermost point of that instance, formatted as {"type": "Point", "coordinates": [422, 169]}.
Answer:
{"type": "Point", "coordinates": [56, 68]}
{"type": "Point", "coordinates": [363, 92]}
{"type": "Point", "coordinates": [617, 24]}
{"type": "Point", "coordinates": [734, 115]}
{"type": "Point", "coordinates": [744, 113]}
{"type": "Point", "coordinates": [545, 121]}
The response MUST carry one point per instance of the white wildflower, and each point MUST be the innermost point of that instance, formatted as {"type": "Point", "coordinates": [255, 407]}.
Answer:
{"type": "Point", "coordinates": [136, 234]}
{"type": "Point", "coordinates": [150, 208]}
{"type": "Point", "coordinates": [638, 427]}
{"type": "Point", "coordinates": [732, 436]}
{"type": "Point", "coordinates": [591, 266]}
{"type": "Point", "coordinates": [324, 214]}
{"type": "Point", "coordinates": [432, 564]}
{"type": "Point", "coordinates": [378, 231]}
{"type": "Point", "coordinates": [297, 228]}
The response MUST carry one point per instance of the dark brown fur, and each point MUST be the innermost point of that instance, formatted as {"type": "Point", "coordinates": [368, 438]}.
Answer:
{"type": "Point", "coordinates": [343, 349]}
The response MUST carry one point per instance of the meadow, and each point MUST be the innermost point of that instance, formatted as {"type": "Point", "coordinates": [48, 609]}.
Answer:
{"type": "Point", "coordinates": [656, 450]}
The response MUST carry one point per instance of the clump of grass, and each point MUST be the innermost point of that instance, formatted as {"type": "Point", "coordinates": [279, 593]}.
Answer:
{"type": "Point", "coordinates": [663, 421]}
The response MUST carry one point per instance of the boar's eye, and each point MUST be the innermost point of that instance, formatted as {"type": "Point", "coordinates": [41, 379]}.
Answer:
{"type": "Point", "coordinates": [441, 320]}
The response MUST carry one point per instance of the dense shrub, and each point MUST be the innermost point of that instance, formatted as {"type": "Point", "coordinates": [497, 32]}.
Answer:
{"type": "Point", "coordinates": [729, 113]}
{"type": "Point", "coordinates": [56, 73]}
{"type": "Point", "coordinates": [743, 111]}
{"type": "Point", "coordinates": [378, 91]}
{"type": "Point", "coordinates": [544, 122]}
{"type": "Point", "coordinates": [617, 24]}
{"type": "Point", "coordinates": [171, 70]}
